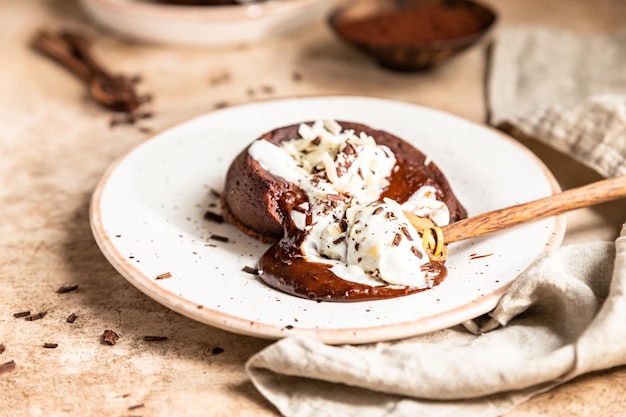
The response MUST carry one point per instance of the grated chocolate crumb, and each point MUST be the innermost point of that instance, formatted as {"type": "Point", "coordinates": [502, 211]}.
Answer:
{"type": "Point", "coordinates": [416, 252]}
{"type": "Point", "coordinates": [164, 275]}
{"type": "Point", "coordinates": [2, 348]}
{"type": "Point", "coordinates": [214, 217]}
{"type": "Point", "coordinates": [110, 337]}
{"type": "Point", "coordinates": [219, 238]}
{"type": "Point", "coordinates": [66, 289]}
{"type": "Point", "coordinates": [217, 350]}
{"type": "Point", "coordinates": [48, 345]}
{"type": "Point", "coordinates": [154, 338]}
{"type": "Point", "coordinates": [37, 316]}
{"type": "Point", "coordinates": [71, 318]}
{"type": "Point", "coordinates": [428, 267]}
{"type": "Point", "coordinates": [21, 314]}
{"type": "Point", "coordinates": [7, 367]}
{"type": "Point", "coordinates": [250, 270]}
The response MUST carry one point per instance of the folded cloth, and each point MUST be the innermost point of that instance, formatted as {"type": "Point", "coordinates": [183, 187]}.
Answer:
{"type": "Point", "coordinates": [565, 89]}
{"type": "Point", "coordinates": [563, 317]}
{"type": "Point", "coordinates": [560, 319]}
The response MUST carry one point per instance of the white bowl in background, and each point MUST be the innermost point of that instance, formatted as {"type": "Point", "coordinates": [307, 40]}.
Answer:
{"type": "Point", "coordinates": [153, 22]}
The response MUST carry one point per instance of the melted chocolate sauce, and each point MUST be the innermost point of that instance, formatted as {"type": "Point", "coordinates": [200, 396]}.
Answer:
{"type": "Point", "coordinates": [284, 268]}
{"type": "Point", "coordinates": [289, 272]}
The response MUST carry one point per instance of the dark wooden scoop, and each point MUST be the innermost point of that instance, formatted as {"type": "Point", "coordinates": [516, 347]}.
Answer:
{"type": "Point", "coordinates": [114, 92]}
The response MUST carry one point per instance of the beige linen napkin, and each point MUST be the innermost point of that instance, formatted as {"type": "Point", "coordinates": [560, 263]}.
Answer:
{"type": "Point", "coordinates": [565, 89]}
{"type": "Point", "coordinates": [563, 317]}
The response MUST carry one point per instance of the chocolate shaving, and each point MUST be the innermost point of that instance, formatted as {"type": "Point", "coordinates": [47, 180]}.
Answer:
{"type": "Point", "coordinates": [378, 210]}
{"type": "Point", "coordinates": [215, 193]}
{"type": "Point", "coordinates": [136, 406]}
{"type": "Point", "coordinates": [154, 338]}
{"type": "Point", "coordinates": [48, 345]}
{"type": "Point", "coordinates": [406, 233]}
{"type": "Point", "coordinates": [356, 246]}
{"type": "Point", "coordinates": [66, 289]}
{"type": "Point", "coordinates": [349, 149]}
{"type": "Point", "coordinates": [336, 197]}
{"type": "Point", "coordinates": [416, 252]}
{"type": "Point", "coordinates": [427, 267]}
{"type": "Point", "coordinates": [316, 141]}
{"type": "Point", "coordinates": [71, 318]}
{"type": "Point", "coordinates": [2, 348]}
{"type": "Point", "coordinates": [217, 350]}
{"type": "Point", "coordinates": [397, 239]}
{"type": "Point", "coordinates": [339, 240]}
{"type": "Point", "coordinates": [110, 337]}
{"type": "Point", "coordinates": [250, 270]}
{"type": "Point", "coordinates": [474, 256]}
{"type": "Point", "coordinates": [214, 217]}
{"type": "Point", "coordinates": [390, 215]}
{"type": "Point", "coordinates": [343, 225]}
{"type": "Point", "coordinates": [36, 316]}
{"type": "Point", "coordinates": [21, 314]}
{"type": "Point", "coordinates": [7, 367]}
{"type": "Point", "coordinates": [219, 238]}
{"type": "Point", "coordinates": [164, 275]}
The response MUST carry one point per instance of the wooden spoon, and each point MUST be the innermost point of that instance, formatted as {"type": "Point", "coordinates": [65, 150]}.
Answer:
{"type": "Point", "coordinates": [114, 92]}
{"type": "Point", "coordinates": [493, 221]}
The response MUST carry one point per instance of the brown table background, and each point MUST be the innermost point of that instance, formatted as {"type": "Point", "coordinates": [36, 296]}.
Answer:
{"type": "Point", "coordinates": [55, 144]}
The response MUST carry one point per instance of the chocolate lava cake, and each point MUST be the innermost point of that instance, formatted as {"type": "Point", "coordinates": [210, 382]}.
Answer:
{"type": "Point", "coordinates": [252, 196]}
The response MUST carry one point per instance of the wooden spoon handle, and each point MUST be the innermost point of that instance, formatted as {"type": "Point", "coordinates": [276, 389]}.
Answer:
{"type": "Point", "coordinates": [587, 195]}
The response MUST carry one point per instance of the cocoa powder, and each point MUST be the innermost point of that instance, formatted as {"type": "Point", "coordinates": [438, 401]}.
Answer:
{"type": "Point", "coordinates": [413, 26]}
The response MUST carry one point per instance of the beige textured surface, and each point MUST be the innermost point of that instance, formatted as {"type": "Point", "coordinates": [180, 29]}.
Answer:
{"type": "Point", "coordinates": [55, 144]}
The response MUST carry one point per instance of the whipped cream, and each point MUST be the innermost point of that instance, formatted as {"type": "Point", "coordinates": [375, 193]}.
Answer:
{"type": "Point", "coordinates": [364, 239]}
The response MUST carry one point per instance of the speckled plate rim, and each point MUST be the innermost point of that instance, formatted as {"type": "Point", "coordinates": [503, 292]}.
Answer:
{"type": "Point", "coordinates": [245, 326]}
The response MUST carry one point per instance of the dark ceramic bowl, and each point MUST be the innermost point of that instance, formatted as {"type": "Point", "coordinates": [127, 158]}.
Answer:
{"type": "Point", "coordinates": [420, 52]}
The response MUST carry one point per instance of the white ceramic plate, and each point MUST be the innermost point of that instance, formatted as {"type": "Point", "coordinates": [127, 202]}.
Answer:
{"type": "Point", "coordinates": [147, 217]}
{"type": "Point", "coordinates": [150, 21]}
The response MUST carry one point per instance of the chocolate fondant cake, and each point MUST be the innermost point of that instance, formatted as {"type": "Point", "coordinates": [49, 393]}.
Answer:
{"type": "Point", "coordinates": [333, 197]}
{"type": "Point", "coordinates": [251, 194]}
